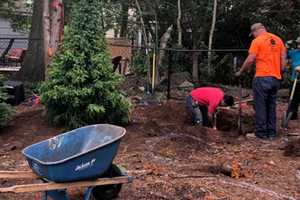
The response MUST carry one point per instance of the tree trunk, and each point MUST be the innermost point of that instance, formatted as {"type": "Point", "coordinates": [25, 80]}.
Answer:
{"type": "Point", "coordinates": [145, 36]}
{"type": "Point", "coordinates": [163, 44]}
{"type": "Point", "coordinates": [46, 29]}
{"type": "Point", "coordinates": [56, 26]}
{"type": "Point", "coordinates": [124, 18]}
{"type": "Point", "coordinates": [195, 73]}
{"type": "Point", "coordinates": [162, 53]}
{"type": "Point", "coordinates": [179, 24]}
{"type": "Point", "coordinates": [211, 35]}
{"type": "Point", "coordinates": [33, 68]}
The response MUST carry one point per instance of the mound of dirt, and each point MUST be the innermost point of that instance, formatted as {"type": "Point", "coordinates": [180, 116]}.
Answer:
{"type": "Point", "coordinates": [227, 120]}
{"type": "Point", "coordinates": [174, 112]}
{"type": "Point", "coordinates": [171, 112]}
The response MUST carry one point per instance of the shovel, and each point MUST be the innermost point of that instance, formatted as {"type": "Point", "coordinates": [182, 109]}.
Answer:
{"type": "Point", "coordinates": [239, 121]}
{"type": "Point", "coordinates": [287, 115]}
{"type": "Point", "coordinates": [240, 129]}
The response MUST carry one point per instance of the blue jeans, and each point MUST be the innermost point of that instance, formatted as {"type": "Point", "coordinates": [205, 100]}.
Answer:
{"type": "Point", "coordinates": [265, 95]}
{"type": "Point", "coordinates": [198, 112]}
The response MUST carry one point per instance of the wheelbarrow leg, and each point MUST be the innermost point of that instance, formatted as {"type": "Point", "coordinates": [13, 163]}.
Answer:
{"type": "Point", "coordinates": [56, 195]}
{"type": "Point", "coordinates": [88, 193]}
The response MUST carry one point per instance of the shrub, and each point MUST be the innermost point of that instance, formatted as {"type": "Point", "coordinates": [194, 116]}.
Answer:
{"type": "Point", "coordinates": [5, 109]}
{"type": "Point", "coordinates": [81, 88]}
{"type": "Point", "coordinates": [139, 66]}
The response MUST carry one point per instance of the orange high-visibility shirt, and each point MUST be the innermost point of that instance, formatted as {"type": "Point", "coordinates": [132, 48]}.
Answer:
{"type": "Point", "coordinates": [268, 49]}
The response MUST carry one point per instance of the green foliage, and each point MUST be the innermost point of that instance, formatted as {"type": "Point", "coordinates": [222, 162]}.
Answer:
{"type": "Point", "coordinates": [139, 65]}
{"type": "Point", "coordinates": [81, 88]}
{"type": "Point", "coordinates": [20, 19]}
{"type": "Point", "coordinates": [234, 18]}
{"type": "Point", "coordinates": [5, 109]}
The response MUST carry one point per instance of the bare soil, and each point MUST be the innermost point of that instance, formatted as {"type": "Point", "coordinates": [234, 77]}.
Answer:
{"type": "Point", "coordinates": [170, 159]}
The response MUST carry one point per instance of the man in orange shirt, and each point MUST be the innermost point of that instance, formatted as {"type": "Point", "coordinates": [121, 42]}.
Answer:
{"type": "Point", "coordinates": [269, 54]}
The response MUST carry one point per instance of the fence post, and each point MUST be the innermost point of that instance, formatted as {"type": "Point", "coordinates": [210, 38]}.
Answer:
{"type": "Point", "coordinates": [169, 74]}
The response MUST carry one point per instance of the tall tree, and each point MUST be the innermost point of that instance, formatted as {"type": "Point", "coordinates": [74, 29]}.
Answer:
{"type": "Point", "coordinates": [36, 58]}
{"type": "Point", "coordinates": [197, 17]}
{"type": "Point", "coordinates": [179, 28]}
{"type": "Point", "coordinates": [124, 18]}
{"type": "Point", "coordinates": [45, 35]}
{"type": "Point", "coordinates": [211, 35]}
{"type": "Point", "coordinates": [56, 25]}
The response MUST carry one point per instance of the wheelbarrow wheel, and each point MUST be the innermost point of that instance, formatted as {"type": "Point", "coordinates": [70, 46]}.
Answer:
{"type": "Point", "coordinates": [107, 192]}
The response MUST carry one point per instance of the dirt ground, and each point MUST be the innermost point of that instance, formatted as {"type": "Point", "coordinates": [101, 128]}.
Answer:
{"type": "Point", "coordinates": [170, 159]}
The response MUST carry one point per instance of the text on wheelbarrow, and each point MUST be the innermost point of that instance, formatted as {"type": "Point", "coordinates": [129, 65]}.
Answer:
{"type": "Point", "coordinates": [84, 166]}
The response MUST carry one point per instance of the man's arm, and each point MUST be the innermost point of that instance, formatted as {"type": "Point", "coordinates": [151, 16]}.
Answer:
{"type": "Point", "coordinates": [212, 107]}
{"type": "Point", "coordinates": [247, 64]}
{"type": "Point", "coordinates": [283, 61]}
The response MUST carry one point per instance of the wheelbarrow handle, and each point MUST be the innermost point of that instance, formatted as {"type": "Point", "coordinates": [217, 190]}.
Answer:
{"type": "Point", "coordinates": [39, 187]}
{"type": "Point", "coordinates": [294, 86]}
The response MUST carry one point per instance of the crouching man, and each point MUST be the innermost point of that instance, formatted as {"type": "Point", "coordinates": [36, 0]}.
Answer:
{"type": "Point", "coordinates": [202, 103]}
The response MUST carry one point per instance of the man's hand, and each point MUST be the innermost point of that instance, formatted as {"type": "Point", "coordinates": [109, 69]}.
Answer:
{"type": "Point", "coordinates": [212, 118]}
{"type": "Point", "coordinates": [238, 74]}
{"type": "Point", "coordinates": [247, 64]}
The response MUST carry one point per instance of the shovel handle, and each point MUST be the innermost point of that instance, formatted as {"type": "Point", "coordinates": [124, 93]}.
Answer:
{"type": "Point", "coordinates": [294, 86]}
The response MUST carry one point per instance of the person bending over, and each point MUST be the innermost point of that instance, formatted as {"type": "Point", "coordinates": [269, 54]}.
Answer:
{"type": "Point", "coordinates": [202, 103]}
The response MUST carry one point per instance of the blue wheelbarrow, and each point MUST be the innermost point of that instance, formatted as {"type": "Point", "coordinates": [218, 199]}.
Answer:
{"type": "Point", "coordinates": [79, 158]}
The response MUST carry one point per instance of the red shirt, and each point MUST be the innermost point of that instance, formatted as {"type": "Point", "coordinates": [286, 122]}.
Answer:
{"type": "Point", "coordinates": [208, 96]}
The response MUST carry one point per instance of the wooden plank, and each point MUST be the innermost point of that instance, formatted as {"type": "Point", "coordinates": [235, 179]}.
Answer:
{"type": "Point", "coordinates": [236, 104]}
{"type": "Point", "coordinates": [60, 186]}
{"type": "Point", "coordinates": [245, 101]}
{"type": "Point", "coordinates": [18, 175]}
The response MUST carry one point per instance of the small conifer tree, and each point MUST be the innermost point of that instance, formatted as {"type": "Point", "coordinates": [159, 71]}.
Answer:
{"type": "Point", "coordinates": [81, 88]}
{"type": "Point", "coordinates": [5, 109]}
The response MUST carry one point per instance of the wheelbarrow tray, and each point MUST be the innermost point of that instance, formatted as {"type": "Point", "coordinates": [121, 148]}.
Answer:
{"type": "Point", "coordinates": [81, 154]}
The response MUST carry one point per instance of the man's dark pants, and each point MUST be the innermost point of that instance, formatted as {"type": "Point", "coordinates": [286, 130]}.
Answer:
{"type": "Point", "coordinates": [197, 112]}
{"type": "Point", "coordinates": [265, 94]}
{"type": "Point", "coordinates": [295, 102]}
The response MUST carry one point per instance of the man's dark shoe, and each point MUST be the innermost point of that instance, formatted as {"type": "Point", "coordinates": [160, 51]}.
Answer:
{"type": "Point", "coordinates": [272, 137]}
{"type": "Point", "coordinates": [261, 136]}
